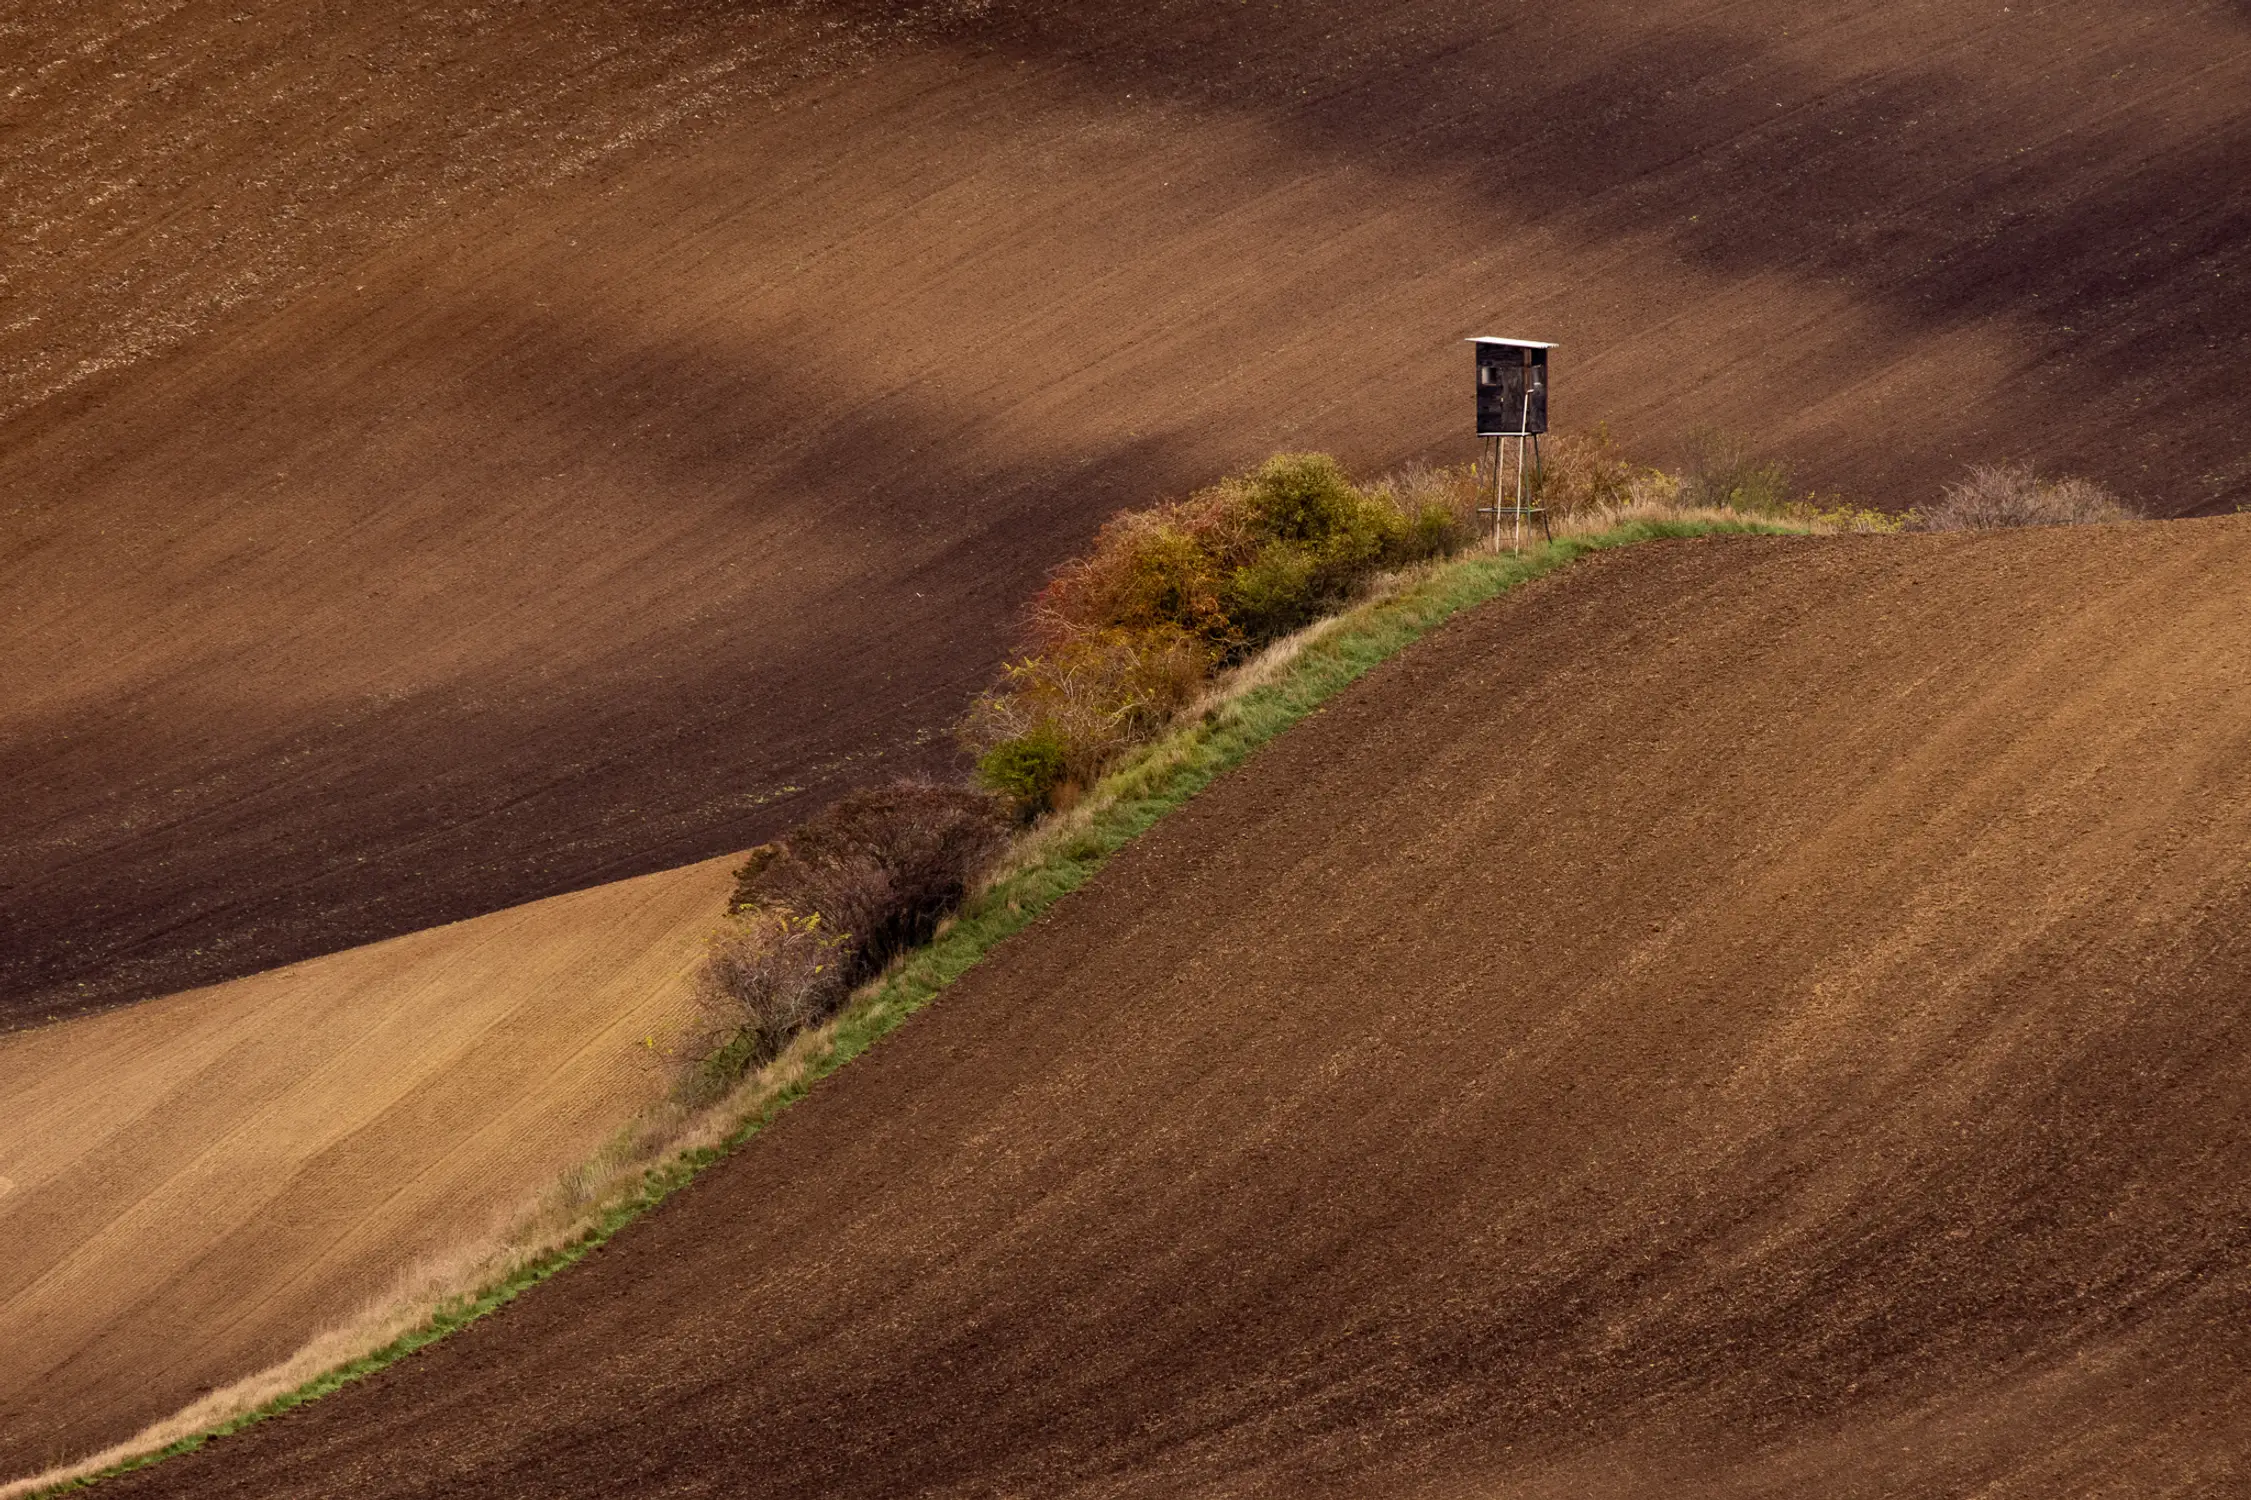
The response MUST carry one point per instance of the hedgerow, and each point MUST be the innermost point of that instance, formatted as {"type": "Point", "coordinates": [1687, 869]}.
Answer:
{"type": "Point", "coordinates": [833, 901]}
{"type": "Point", "coordinates": [1124, 637]}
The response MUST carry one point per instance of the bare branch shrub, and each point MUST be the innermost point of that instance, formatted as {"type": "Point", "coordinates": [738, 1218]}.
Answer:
{"type": "Point", "coordinates": [1161, 569]}
{"type": "Point", "coordinates": [1996, 495]}
{"type": "Point", "coordinates": [778, 973]}
{"type": "Point", "coordinates": [1723, 473]}
{"type": "Point", "coordinates": [880, 868]}
{"type": "Point", "coordinates": [833, 901]}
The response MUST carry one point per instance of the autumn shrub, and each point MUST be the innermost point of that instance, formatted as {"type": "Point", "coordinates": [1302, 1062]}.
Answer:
{"type": "Point", "coordinates": [1440, 499]}
{"type": "Point", "coordinates": [1833, 512]}
{"type": "Point", "coordinates": [1994, 495]}
{"type": "Point", "coordinates": [1583, 472]}
{"type": "Point", "coordinates": [880, 867]}
{"type": "Point", "coordinates": [833, 901]}
{"type": "Point", "coordinates": [1124, 637]}
{"type": "Point", "coordinates": [1060, 714]}
{"type": "Point", "coordinates": [1440, 504]}
{"type": "Point", "coordinates": [1149, 571]}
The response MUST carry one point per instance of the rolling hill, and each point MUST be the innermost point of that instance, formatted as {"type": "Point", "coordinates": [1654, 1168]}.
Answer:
{"type": "Point", "coordinates": [1735, 1018]}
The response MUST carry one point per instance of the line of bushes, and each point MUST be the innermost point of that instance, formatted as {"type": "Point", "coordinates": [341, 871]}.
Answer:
{"type": "Point", "coordinates": [877, 875]}
{"type": "Point", "coordinates": [1118, 643]}
{"type": "Point", "coordinates": [1723, 472]}
{"type": "Point", "coordinates": [1126, 637]}
{"type": "Point", "coordinates": [826, 906]}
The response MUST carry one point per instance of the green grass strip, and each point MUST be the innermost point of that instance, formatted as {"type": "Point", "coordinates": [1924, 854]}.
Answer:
{"type": "Point", "coordinates": [1150, 783]}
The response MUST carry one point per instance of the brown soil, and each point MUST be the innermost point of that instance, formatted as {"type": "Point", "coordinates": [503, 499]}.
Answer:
{"type": "Point", "coordinates": [1747, 1018]}
{"type": "Point", "coordinates": [452, 455]}
{"type": "Point", "coordinates": [198, 1185]}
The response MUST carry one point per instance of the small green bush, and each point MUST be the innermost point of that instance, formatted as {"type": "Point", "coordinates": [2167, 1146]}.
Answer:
{"type": "Point", "coordinates": [1303, 497]}
{"type": "Point", "coordinates": [1028, 768]}
{"type": "Point", "coordinates": [1275, 593]}
{"type": "Point", "coordinates": [1306, 540]}
{"type": "Point", "coordinates": [1435, 531]}
{"type": "Point", "coordinates": [1442, 502]}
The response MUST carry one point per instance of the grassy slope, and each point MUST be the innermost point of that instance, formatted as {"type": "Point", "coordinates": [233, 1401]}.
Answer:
{"type": "Point", "coordinates": [1054, 861]}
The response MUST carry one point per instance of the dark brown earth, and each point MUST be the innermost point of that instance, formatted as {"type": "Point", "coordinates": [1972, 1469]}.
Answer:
{"type": "Point", "coordinates": [1750, 1018]}
{"type": "Point", "coordinates": [450, 455]}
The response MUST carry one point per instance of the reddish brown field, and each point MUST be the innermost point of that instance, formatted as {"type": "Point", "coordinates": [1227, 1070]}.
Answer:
{"type": "Point", "coordinates": [1751, 1018]}
{"type": "Point", "coordinates": [451, 455]}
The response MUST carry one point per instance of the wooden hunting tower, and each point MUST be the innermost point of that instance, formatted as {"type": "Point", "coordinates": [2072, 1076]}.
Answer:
{"type": "Point", "coordinates": [1512, 408]}
{"type": "Point", "coordinates": [1512, 387]}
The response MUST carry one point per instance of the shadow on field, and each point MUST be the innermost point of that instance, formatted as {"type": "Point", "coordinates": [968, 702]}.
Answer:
{"type": "Point", "coordinates": [810, 616]}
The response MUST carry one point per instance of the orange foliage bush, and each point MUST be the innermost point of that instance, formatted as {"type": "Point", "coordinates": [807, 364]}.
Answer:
{"type": "Point", "coordinates": [1123, 638]}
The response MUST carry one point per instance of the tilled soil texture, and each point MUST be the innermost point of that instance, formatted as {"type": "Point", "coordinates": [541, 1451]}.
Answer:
{"type": "Point", "coordinates": [1747, 1018]}
{"type": "Point", "coordinates": [193, 1188]}
{"type": "Point", "coordinates": [458, 454]}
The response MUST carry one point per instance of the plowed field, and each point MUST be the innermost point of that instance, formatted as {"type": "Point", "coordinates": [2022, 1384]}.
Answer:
{"type": "Point", "coordinates": [1737, 1018]}
{"type": "Point", "coordinates": [451, 455]}
{"type": "Point", "coordinates": [196, 1186]}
